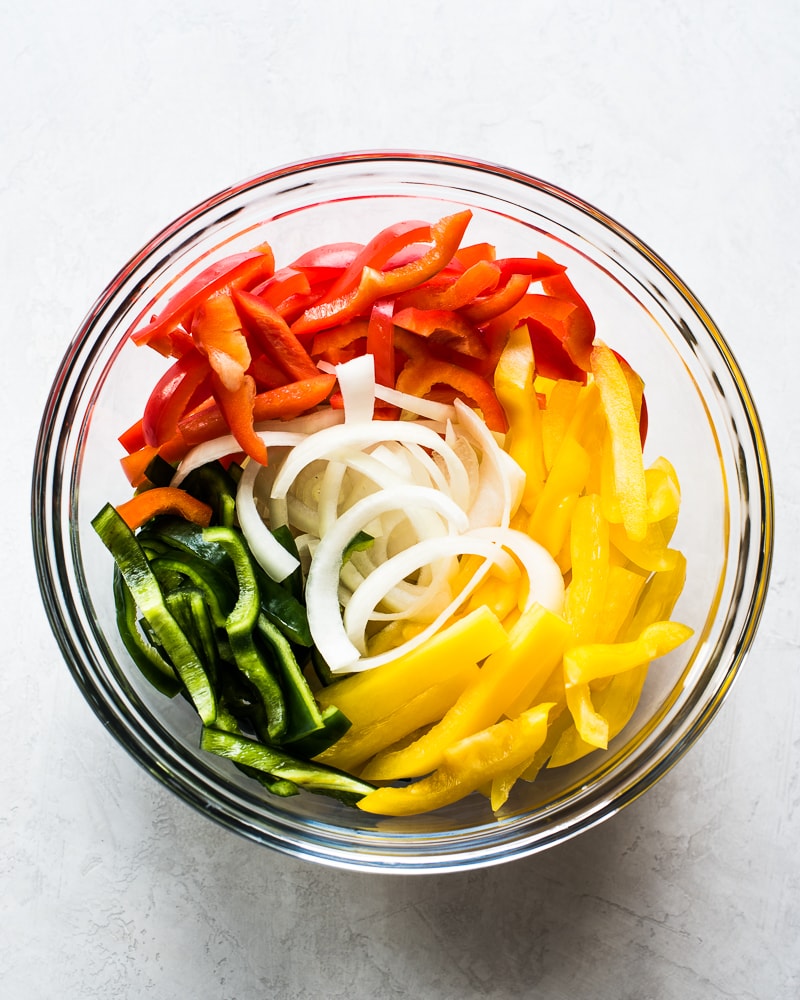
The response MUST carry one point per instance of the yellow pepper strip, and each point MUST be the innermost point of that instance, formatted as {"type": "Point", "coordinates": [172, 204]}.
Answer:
{"type": "Point", "coordinates": [650, 552]}
{"type": "Point", "coordinates": [501, 596]}
{"type": "Point", "coordinates": [584, 664]}
{"type": "Point", "coordinates": [617, 702]}
{"type": "Point", "coordinates": [465, 766]}
{"type": "Point", "coordinates": [590, 549]}
{"type": "Point", "coordinates": [623, 426]}
{"type": "Point", "coordinates": [360, 743]}
{"type": "Point", "coordinates": [556, 417]}
{"type": "Point", "coordinates": [513, 385]}
{"type": "Point", "coordinates": [366, 697]}
{"type": "Point", "coordinates": [551, 518]}
{"type": "Point", "coordinates": [623, 589]}
{"type": "Point", "coordinates": [535, 645]}
{"type": "Point", "coordinates": [663, 490]}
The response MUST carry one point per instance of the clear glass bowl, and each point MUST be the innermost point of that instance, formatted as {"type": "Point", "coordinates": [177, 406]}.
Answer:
{"type": "Point", "coordinates": [701, 417]}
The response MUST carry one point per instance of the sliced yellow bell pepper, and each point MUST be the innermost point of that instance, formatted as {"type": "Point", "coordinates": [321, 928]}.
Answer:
{"type": "Point", "coordinates": [513, 385]}
{"type": "Point", "coordinates": [591, 551]}
{"type": "Point", "coordinates": [369, 696]}
{"type": "Point", "coordinates": [361, 742]}
{"type": "Point", "coordinates": [562, 402]}
{"type": "Point", "coordinates": [623, 425]}
{"type": "Point", "coordinates": [584, 664]}
{"type": "Point", "coordinates": [535, 646]}
{"type": "Point", "coordinates": [550, 521]}
{"type": "Point", "coordinates": [465, 766]}
{"type": "Point", "coordinates": [617, 701]}
{"type": "Point", "coordinates": [651, 552]}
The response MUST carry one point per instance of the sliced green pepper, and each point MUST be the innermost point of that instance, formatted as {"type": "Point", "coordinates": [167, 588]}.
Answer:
{"type": "Point", "coordinates": [240, 625]}
{"type": "Point", "coordinates": [314, 777]}
{"type": "Point", "coordinates": [135, 569]}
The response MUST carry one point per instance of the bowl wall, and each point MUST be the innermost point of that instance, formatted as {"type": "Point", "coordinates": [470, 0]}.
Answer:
{"type": "Point", "coordinates": [701, 417]}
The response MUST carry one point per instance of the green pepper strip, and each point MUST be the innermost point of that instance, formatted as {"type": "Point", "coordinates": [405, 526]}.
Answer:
{"type": "Point", "coordinates": [190, 609]}
{"type": "Point", "coordinates": [240, 625]}
{"type": "Point", "coordinates": [314, 777]}
{"type": "Point", "coordinates": [216, 487]}
{"type": "Point", "coordinates": [135, 569]}
{"type": "Point", "coordinates": [216, 590]}
{"type": "Point", "coordinates": [146, 657]}
{"type": "Point", "coordinates": [304, 714]}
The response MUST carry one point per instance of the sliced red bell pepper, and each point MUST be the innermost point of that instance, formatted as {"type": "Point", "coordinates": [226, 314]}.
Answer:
{"type": "Point", "coordinates": [579, 331]}
{"type": "Point", "coordinates": [172, 397]}
{"type": "Point", "coordinates": [550, 356]}
{"type": "Point", "coordinates": [132, 439]}
{"type": "Point", "coordinates": [380, 341]}
{"type": "Point", "coordinates": [379, 251]}
{"type": "Point", "coordinates": [282, 285]}
{"type": "Point", "coordinates": [537, 268]}
{"type": "Point", "coordinates": [467, 256]}
{"type": "Point", "coordinates": [461, 290]}
{"type": "Point", "coordinates": [163, 500]}
{"type": "Point", "coordinates": [486, 308]}
{"type": "Point", "coordinates": [135, 464]}
{"type": "Point", "coordinates": [327, 261]}
{"type": "Point", "coordinates": [266, 373]}
{"type": "Point", "coordinates": [420, 375]}
{"type": "Point", "coordinates": [340, 342]}
{"type": "Point", "coordinates": [241, 270]}
{"type": "Point", "coordinates": [445, 235]}
{"type": "Point", "coordinates": [282, 403]}
{"type": "Point", "coordinates": [237, 407]}
{"type": "Point", "coordinates": [271, 331]}
{"type": "Point", "coordinates": [444, 327]}
{"type": "Point", "coordinates": [217, 332]}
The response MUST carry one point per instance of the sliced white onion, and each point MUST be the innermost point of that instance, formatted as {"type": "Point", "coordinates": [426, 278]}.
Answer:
{"type": "Point", "coordinates": [333, 442]}
{"type": "Point", "coordinates": [356, 380]}
{"type": "Point", "coordinates": [545, 582]}
{"type": "Point", "coordinates": [322, 584]}
{"type": "Point", "coordinates": [268, 552]}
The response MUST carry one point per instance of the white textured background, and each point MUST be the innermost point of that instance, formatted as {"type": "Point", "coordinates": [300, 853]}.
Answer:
{"type": "Point", "coordinates": [682, 120]}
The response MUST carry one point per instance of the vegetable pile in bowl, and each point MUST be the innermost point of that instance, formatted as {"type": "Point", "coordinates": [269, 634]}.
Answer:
{"type": "Point", "coordinates": [432, 538]}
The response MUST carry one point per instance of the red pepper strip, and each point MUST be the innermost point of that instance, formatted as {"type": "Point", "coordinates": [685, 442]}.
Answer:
{"type": "Point", "coordinates": [549, 355]}
{"type": "Point", "coordinates": [444, 327]}
{"type": "Point", "coordinates": [217, 331]}
{"type": "Point", "coordinates": [163, 500]}
{"type": "Point", "coordinates": [267, 374]}
{"type": "Point", "coordinates": [467, 256]}
{"type": "Point", "coordinates": [420, 375]}
{"type": "Point", "coordinates": [446, 236]}
{"type": "Point", "coordinates": [241, 270]}
{"type": "Point", "coordinates": [551, 312]}
{"type": "Point", "coordinates": [237, 410]}
{"type": "Point", "coordinates": [135, 464]}
{"type": "Point", "coordinates": [133, 438]}
{"type": "Point", "coordinates": [282, 285]}
{"type": "Point", "coordinates": [272, 333]}
{"type": "Point", "coordinates": [476, 280]}
{"type": "Point", "coordinates": [171, 397]}
{"type": "Point", "coordinates": [580, 329]}
{"type": "Point", "coordinates": [537, 268]}
{"type": "Point", "coordinates": [329, 260]}
{"type": "Point", "coordinates": [282, 403]}
{"type": "Point", "coordinates": [379, 251]}
{"type": "Point", "coordinates": [484, 309]}
{"type": "Point", "coordinates": [336, 344]}
{"type": "Point", "coordinates": [380, 341]}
